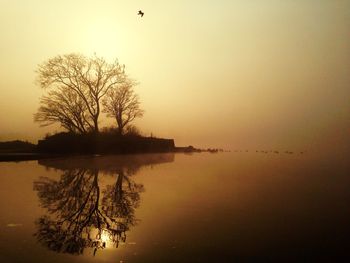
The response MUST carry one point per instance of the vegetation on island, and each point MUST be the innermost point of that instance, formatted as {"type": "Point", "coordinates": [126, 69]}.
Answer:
{"type": "Point", "coordinates": [78, 90]}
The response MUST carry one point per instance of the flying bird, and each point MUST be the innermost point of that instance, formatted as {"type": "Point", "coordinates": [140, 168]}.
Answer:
{"type": "Point", "coordinates": [140, 13]}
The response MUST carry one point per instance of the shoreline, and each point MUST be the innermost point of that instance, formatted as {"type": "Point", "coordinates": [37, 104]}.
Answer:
{"type": "Point", "coordinates": [19, 157]}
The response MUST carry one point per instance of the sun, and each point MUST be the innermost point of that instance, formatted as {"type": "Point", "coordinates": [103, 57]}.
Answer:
{"type": "Point", "coordinates": [105, 38]}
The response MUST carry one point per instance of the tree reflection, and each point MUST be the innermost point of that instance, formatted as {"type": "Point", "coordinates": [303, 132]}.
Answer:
{"type": "Point", "coordinates": [84, 214]}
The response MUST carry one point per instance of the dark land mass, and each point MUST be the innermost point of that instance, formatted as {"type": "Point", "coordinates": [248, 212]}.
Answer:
{"type": "Point", "coordinates": [103, 143]}
{"type": "Point", "coordinates": [17, 147]}
{"type": "Point", "coordinates": [18, 151]}
{"type": "Point", "coordinates": [66, 144]}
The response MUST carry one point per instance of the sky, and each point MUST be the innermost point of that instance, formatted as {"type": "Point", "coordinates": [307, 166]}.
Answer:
{"type": "Point", "coordinates": [235, 74]}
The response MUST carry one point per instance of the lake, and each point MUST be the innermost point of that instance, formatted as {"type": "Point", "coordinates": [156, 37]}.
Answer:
{"type": "Point", "coordinates": [202, 207]}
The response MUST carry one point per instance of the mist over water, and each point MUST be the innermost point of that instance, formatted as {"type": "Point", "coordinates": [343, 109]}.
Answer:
{"type": "Point", "coordinates": [203, 207]}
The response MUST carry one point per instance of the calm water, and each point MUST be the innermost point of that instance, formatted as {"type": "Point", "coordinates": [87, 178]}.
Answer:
{"type": "Point", "coordinates": [227, 207]}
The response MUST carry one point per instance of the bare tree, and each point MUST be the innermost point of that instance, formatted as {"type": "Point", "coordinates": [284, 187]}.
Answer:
{"type": "Point", "coordinates": [65, 107]}
{"type": "Point", "coordinates": [88, 78]}
{"type": "Point", "coordinates": [122, 104]}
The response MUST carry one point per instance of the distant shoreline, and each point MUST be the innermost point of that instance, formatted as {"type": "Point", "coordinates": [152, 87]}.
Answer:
{"type": "Point", "coordinates": [66, 145]}
{"type": "Point", "coordinates": [20, 157]}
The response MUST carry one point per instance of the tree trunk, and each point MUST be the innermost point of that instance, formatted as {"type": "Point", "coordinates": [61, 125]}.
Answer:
{"type": "Point", "coordinates": [96, 130]}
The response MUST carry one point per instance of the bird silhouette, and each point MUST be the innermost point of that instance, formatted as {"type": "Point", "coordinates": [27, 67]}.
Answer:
{"type": "Point", "coordinates": [140, 13]}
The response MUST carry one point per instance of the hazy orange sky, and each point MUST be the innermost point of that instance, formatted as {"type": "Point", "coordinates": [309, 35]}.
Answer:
{"type": "Point", "coordinates": [265, 74]}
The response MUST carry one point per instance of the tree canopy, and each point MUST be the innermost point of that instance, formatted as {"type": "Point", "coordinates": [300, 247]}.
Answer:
{"type": "Point", "coordinates": [66, 107]}
{"type": "Point", "coordinates": [123, 105]}
{"type": "Point", "coordinates": [76, 87]}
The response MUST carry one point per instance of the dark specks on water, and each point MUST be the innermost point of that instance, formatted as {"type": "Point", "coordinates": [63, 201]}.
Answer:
{"type": "Point", "coordinates": [226, 207]}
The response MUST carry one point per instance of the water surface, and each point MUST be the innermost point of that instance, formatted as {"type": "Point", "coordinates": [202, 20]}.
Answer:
{"type": "Point", "coordinates": [227, 207]}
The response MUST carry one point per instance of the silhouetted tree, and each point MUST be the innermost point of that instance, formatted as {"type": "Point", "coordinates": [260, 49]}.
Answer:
{"type": "Point", "coordinates": [65, 107]}
{"type": "Point", "coordinates": [122, 104]}
{"type": "Point", "coordinates": [86, 80]}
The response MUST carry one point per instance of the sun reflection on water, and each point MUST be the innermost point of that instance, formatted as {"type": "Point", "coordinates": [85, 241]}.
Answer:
{"type": "Point", "coordinates": [106, 239]}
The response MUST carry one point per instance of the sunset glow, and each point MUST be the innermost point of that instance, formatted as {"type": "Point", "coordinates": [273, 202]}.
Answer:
{"type": "Point", "coordinates": [231, 74]}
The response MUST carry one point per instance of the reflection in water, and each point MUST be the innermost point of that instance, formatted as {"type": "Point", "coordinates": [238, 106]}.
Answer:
{"type": "Point", "coordinates": [83, 213]}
